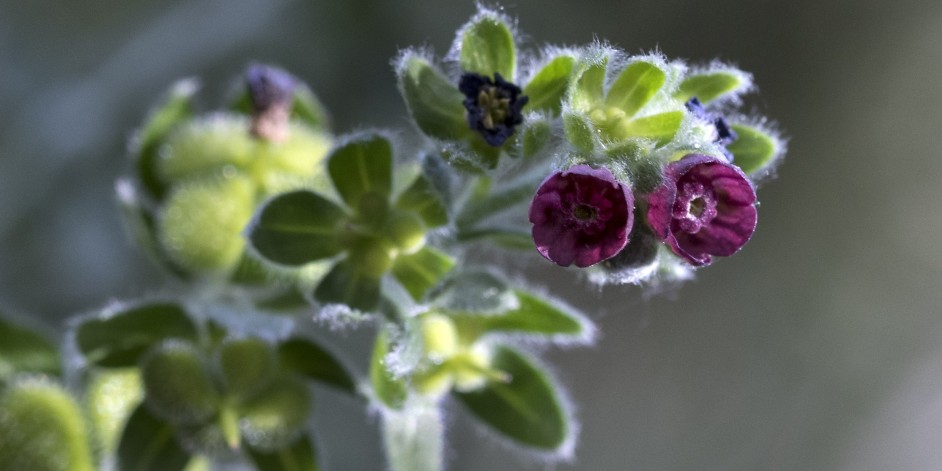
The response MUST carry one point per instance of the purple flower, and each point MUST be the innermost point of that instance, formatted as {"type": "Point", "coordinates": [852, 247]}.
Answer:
{"type": "Point", "coordinates": [704, 207]}
{"type": "Point", "coordinates": [271, 93]}
{"type": "Point", "coordinates": [494, 107]}
{"type": "Point", "coordinates": [582, 216]}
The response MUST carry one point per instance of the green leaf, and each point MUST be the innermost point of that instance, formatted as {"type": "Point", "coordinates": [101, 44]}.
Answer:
{"type": "Point", "coordinates": [362, 165]}
{"type": "Point", "coordinates": [414, 438]}
{"type": "Point", "coordinates": [476, 292]}
{"type": "Point", "coordinates": [422, 198]}
{"type": "Point", "coordinates": [660, 127]}
{"type": "Point", "coordinates": [41, 429]}
{"type": "Point", "coordinates": [390, 391]}
{"type": "Point", "coordinates": [490, 203]}
{"type": "Point", "coordinates": [547, 88]}
{"type": "Point", "coordinates": [23, 350]}
{"type": "Point", "coordinates": [149, 444]}
{"type": "Point", "coordinates": [434, 102]}
{"type": "Point", "coordinates": [349, 285]}
{"type": "Point", "coordinates": [297, 228]}
{"type": "Point", "coordinates": [118, 339]}
{"type": "Point", "coordinates": [177, 384]}
{"type": "Point", "coordinates": [309, 109]}
{"type": "Point", "coordinates": [710, 85]}
{"type": "Point", "coordinates": [535, 136]}
{"type": "Point", "coordinates": [276, 415]}
{"type": "Point", "coordinates": [635, 86]}
{"type": "Point", "coordinates": [246, 365]}
{"type": "Point", "coordinates": [532, 315]}
{"type": "Point", "coordinates": [312, 361]}
{"type": "Point", "coordinates": [176, 107]}
{"type": "Point", "coordinates": [753, 150]}
{"type": "Point", "coordinates": [579, 131]}
{"type": "Point", "coordinates": [526, 409]}
{"type": "Point", "coordinates": [487, 46]}
{"type": "Point", "coordinates": [110, 398]}
{"type": "Point", "coordinates": [587, 88]}
{"type": "Point", "coordinates": [299, 455]}
{"type": "Point", "coordinates": [420, 271]}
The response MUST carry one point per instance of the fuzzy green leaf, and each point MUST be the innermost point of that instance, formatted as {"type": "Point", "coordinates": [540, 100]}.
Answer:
{"type": "Point", "coordinates": [434, 102]}
{"type": "Point", "coordinates": [297, 228]}
{"type": "Point", "coordinates": [361, 166]}
{"type": "Point", "coordinates": [390, 391]}
{"type": "Point", "coordinates": [312, 361]}
{"type": "Point", "coordinates": [422, 198]}
{"type": "Point", "coordinates": [532, 315]}
{"type": "Point", "coordinates": [579, 131]}
{"type": "Point", "coordinates": [526, 409]}
{"type": "Point", "coordinates": [586, 91]}
{"type": "Point", "coordinates": [299, 455]}
{"type": "Point", "coordinates": [176, 108]}
{"type": "Point", "coordinates": [420, 271]}
{"type": "Point", "coordinates": [547, 88]}
{"type": "Point", "coordinates": [710, 86]}
{"type": "Point", "coordinates": [119, 339]}
{"type": "Point", "coordinates": [487, 47]}
{"type": "Point", "coordinates": [348, 284]}
{"type": "Point", "coordinates": [246, 365]}
{"type": "Point", "coordinates": [475, 292]}
{"type": "Point", "coordinates": [753, 150]}
{"type": "Point", "coordinates": [309, 109]}
{"type": "Point", "coordinates": [635, 87]}
{"type": "Point", "coordinates": [41, 429]}
{"type": "Point", "coordinates": [23, 350]}
{"type": "Point", "coordinates": [660, 127]}
{"type": "Point", "coordinates": [149, 444]}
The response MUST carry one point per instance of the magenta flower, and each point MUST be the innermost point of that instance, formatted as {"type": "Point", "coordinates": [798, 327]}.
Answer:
{"type": "Point", "coordinates": [582, 216]}
{"type": "Point", "coordinates": [704, 207]}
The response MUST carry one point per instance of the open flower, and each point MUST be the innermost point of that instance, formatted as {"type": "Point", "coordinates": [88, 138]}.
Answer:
{"type": "Point", "coordinates": [582, 215]}
{"type": "Point", "coordinates": [705, 207]}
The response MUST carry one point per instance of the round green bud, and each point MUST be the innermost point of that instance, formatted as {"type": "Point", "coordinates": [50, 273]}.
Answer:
{"type": "Point", "coordinates": [471, 368]}
{"type": "Point", "coordinates": [111, 397]}
{"type": "Point", "coordinates": [205, 145]}
{"type": "Point", "coordinates": [371, 256]}
{"type": "Point", "coordinates": [406, 231]}
{"type": "Point", "coordinates": [41, 429]}
{"type": "Point", "coordinates": [201, 224]}
{"type": "Point", "coordinates": [433, 382]}
{"type": "Point", "coordinates": [276, 415]}
{"type": "Point", "coordinates": [439, 337]}
{"type": "Point", "coordinates": [177, 386]}
{"type": "Point", "coordinates": [245, 366]}
{"type": "Point", "coordinates": [300, 154]}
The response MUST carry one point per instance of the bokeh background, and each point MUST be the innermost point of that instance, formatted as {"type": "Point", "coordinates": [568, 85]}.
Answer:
{"type": "Point", "coordinates": [818, 347]}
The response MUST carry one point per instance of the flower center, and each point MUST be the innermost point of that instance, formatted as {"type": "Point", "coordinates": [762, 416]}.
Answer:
{"type": "Point", "coordinates": [494, 106]}
{"type": "Point", "coordinates": [695, 206]}
{"type": "Point", "coordinates": [584, 212]}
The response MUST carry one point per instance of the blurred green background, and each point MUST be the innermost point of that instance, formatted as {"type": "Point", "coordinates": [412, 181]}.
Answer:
{"type": "Point", "coordinates": [819, 347]}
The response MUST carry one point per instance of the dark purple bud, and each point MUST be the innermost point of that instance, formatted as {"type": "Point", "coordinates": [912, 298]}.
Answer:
{"type": "Point", "coordinates": [271, 92]}
{"type": "Point", "coordinates": [723, 133]}
{"type": "Point", "coordinates": [704, 207]}
{"type": "Point", "coordinates": [494, 107]}
{"type": "Point", "coordinates": [581, 216]}
{"type": "Point", "coordinates": [269, 87]}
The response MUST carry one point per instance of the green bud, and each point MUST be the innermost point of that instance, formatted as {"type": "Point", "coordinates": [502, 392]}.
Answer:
{"type": "Point", "coordinates": [471, 368]}
{"type": "Point", "coordinates": [205, 145]}
{"type": "Point", "coordinates": [433, 382]}
{"type": "Point", "coordinates": [439, 337]}
{"type": "Point", "coordinates": [406, 231]}
{"type": "Point", "coordinates": [246, 365]}
{"type": "Point", "coordinates": [41, 429]}
{"type": "Point", "coordinates": [371, 257]}
{"type": "Point", "coordinates": [111, 397]}
{"type": "Point", "coordinates": [202, 222]}
{"type": "Point", "coordinates": [276, 415]}
{"type": "Point", "coordinates": [177, 386]}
